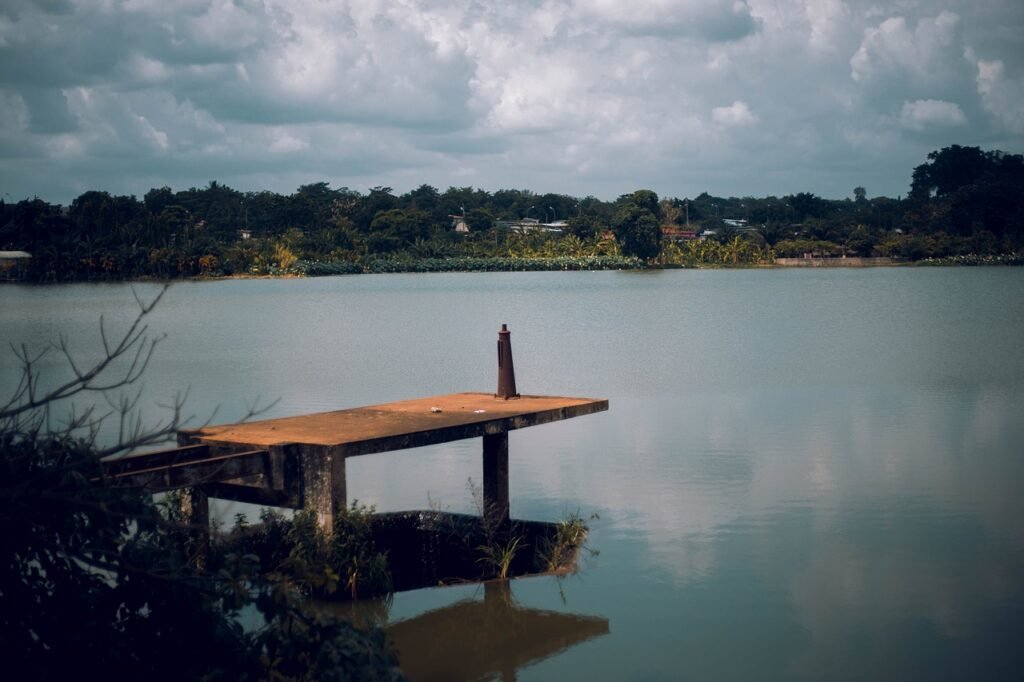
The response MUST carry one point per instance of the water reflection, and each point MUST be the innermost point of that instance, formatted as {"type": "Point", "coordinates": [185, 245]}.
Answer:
{"type": "Point", "coordinates": [803, 475]}
{"type": "Point", "coordinates": [474, 631]}
{"type": "Point", "coordinates": [486, 638]}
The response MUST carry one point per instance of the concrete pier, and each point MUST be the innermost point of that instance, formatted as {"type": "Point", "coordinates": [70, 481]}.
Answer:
{"type": "Point", "coordinates": [300, 461]}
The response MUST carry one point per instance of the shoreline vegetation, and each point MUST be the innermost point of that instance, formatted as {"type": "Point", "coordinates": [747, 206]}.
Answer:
{"type": "Point", "coordinates": [965, 207]}
{"type": "Point", "coordinates": [303, 269]}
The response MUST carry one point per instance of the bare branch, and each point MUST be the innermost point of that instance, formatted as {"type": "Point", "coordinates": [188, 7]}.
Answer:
{"type": "Point", "coordinates": [253, 410]}
{"type": "Point", "coordinates": [134, 344]}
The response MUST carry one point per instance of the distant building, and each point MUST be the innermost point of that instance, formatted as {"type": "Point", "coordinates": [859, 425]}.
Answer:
{"type": "Point", "coordinates": [14, 265]}
{"type": "Point", "coordinates": [531, 225]}
{"type": "Point", "coordinates": [674, 234]}
{"type": "Point", "coordinates": [459, 223]}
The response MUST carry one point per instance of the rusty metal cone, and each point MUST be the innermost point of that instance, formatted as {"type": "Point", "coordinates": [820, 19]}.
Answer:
{"type": "Point", "coordinates": [506, 370]}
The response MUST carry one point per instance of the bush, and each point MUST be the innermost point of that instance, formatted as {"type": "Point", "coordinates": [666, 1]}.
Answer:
{"type": "Point", "coordinates": [347, 565]}
{"type": "Point", "coordinates": [98, 580]}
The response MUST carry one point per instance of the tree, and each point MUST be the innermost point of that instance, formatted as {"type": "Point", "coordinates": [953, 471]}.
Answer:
{"type": "Point", "coordinates": [671, 211]}
{"type": "Point", "coordinates": [479, 219]}
{"type": "Point", "coordinates": [400, 228]}
{"type": "Point", "coordinates": [638, 232]}
{"type": "Point", "coordinates": [584, 226]}
{"type": "Point", "coordinates": [366, 209]}
{"type": "Point", "coordinates": [646, 200]}
{"type": "Point", "coordinates": [861, 242]}
{"type": "Point", "coordinates": [949, 169]}
{"type": "Point", "coordinates": [311, 206]}
{"type": "Point", "coordinates": [156, 200]}
{"type": "Point", "coordinates": [426, 198]}
{"type": "Point", "coordinates": [96, 581]}
{"type": "Point", "coordinates": [806, 205]}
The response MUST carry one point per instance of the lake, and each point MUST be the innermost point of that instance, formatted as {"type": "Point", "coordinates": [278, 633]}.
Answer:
{"type": "Point", "coordinates": [804, 474]}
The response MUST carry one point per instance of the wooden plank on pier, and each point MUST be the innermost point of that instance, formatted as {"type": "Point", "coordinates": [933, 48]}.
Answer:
{"type": "Point", "coordinates": [198, 472]}
{"type": "Point", "coordinates": [116, 466]}
{"type": "Point", "coordinates": [402, 424]}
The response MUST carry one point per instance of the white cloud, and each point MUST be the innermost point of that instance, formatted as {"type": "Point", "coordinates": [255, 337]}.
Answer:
{"type": "Point", "coordinates": [579, 96]}
{"type": "Point", "coordinates": [158, 137]}
{"type": "Point", "coordinates": [892, 47]}
{"type": "Point", "coordinates": [283, 142]}
{"type": "Point", "coordinates": [924, 114]}
{"type": "Point", "coordinates": [827, 19]}
{"type": "Point", "coordinates": [1002, 97]}
{"type": "Point", "coordinates": [14, 115]}
{"type": "Point", "coordinates": [712, 20]}
{"type": "Point", "coordinates": [735, 115]}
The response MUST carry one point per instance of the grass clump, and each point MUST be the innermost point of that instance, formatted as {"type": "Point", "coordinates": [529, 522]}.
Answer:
{"type": "Point", "coordinates": [347, 564]}
{"type": "Point", "coordinates": [559, 551]}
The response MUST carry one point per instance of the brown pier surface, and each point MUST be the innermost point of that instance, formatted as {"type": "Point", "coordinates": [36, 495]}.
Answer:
{"type": "Point", "coordinates": [402, 424]}
{"type": "Point", "coordinates": [299, 461]}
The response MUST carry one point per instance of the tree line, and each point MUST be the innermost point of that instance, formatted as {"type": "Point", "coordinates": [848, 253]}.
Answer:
{"type": "Point", "coordinates": [962, 200]}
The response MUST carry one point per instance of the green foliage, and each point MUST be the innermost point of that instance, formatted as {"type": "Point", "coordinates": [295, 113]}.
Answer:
{"type": "Point", "coordinates": [504, 264]}
{"type": "Point", "coordinates": [346, 565]}
{"type": "Point", "coordinates": [796, 248]}
{"type": "Point", "coordinates": [570, 537]}
{"type": "Point", "coordinates": [94, 578]}
{"type": "Point", "coordinates": [352, 552]}
{"type": "Point", "coordinates": [395, 229]}
{"type": "Point", "coordinates": [98, 580]}
{"type": "Point", "coordinates": [807, 205]}
{"type": "Point", "coordinates": [91, 576]}
{"type": "Point", "coordinates": [584, 226]}
{"type": "Point", "coordinates": [501, 539]}
{"type": "Point", "coordinates": [478, 219]}
{"type": "Point", "coordinates": [497, 558]}
{"type": "Point", "coordinates": [959, 191]}
{"type": "Point", "coordinates": [861, 242]}
{"type": "Point", "coordinates": [645, 200]}
{"type": "Point", "coordinates": [637, 231]}
{"type": "Point", "coordinates": [975, 259]}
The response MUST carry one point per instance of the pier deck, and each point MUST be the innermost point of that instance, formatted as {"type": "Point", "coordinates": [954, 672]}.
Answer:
{"type": "Point", "coordinates": [403, 424]}
{"type": "Point", "coordinates": [307, 453]}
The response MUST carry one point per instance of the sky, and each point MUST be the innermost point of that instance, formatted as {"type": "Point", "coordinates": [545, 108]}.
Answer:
{"type": "Point", "coordinates": [581, 97]}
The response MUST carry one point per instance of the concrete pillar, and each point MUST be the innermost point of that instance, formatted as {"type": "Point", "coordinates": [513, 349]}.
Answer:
{"type": "Point", "coordinates": [496, 503]}
{"type": "Point", "coordinates": [324, 493]}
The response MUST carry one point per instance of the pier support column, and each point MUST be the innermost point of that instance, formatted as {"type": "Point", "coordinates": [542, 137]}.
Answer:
{"type": "Point", "coordinates": [195, 510]}
{"type": "Point", "coordinates": [496, 503]}
{"type": "Point", "coordinates": [324, 492]}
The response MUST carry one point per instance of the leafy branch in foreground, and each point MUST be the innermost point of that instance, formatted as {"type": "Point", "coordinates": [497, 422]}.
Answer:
{"type": "Point", "coordinates": [95, 579]}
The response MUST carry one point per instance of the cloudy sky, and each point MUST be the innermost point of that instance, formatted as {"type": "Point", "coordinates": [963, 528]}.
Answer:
{"type": "Point", "coordinates": [601, 97]}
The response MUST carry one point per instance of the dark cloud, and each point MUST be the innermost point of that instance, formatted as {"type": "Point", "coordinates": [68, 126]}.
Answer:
{"type": "Point", "coordinates": [48, 111]}
{"type": "Point", "coordinates": [596, 97]}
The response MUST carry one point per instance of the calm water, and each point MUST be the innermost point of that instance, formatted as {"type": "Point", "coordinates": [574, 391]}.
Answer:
{"type": "Point", "coordinates": [803, 474]}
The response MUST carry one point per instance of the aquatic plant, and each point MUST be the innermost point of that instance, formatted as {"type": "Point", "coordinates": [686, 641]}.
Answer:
{"type": "Point", "coordinates": [497, 557]}
{"type": "Point", "coordinates": [500, 539]}
{"type": "Point", "coordinates": [347, 563]}
{"type": "Point", "coordinates": [570, 537]}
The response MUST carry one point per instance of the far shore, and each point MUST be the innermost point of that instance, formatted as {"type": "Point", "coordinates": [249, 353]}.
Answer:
{"type": "Point", "coordinates": [306, 269]}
